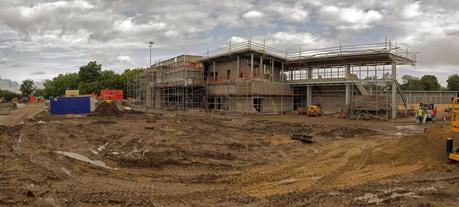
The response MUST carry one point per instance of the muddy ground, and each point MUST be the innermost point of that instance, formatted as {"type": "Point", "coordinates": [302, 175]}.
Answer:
{"type": "Point", "coordinates": [196, 159]}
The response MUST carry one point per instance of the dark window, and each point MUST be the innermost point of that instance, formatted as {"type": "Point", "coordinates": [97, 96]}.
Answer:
{"type": "Point", "coordinates": [257, 104]}
{"type": "Point", "coordinates": [228, 74]}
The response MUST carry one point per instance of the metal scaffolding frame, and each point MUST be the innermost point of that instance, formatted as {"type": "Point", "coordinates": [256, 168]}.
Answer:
{"type": "Point", "coordinates": [239, 71]}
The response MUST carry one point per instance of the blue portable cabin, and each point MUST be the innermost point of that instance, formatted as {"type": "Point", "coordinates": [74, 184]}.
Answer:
{"type": "Point", "coordinates": [70, 105]}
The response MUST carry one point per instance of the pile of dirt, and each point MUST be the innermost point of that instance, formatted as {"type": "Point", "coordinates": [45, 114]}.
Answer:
{"type": "Point", "coordinates": [429, 146]}
{"type": "Point", "coordinates": [106, 109]}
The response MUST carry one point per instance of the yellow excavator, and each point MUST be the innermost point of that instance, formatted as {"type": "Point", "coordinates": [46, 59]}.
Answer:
{"type": "Point", "coordinates": [453, 154]}
{"type": "Point", "coordinates": [312, 110]}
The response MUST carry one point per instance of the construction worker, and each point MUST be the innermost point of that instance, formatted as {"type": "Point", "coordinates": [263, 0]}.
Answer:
{"type": "Point", "coordinates": [420, 116]}
{"type": "Point", "coordinates": [434, 114]}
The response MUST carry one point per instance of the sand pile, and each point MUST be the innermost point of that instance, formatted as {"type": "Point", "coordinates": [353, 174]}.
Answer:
{"type": "Point", "coordinates": [428, 149]}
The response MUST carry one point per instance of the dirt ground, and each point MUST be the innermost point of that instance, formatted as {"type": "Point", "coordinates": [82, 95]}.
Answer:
{"type": "Point", "coordinates": [197, 159]}
{"type": "Point", "coordinates": [18, 115]}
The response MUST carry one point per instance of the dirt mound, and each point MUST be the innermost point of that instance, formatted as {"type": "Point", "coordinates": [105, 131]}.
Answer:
{"type": "Point", "coordinates": [107, 109]}
{"type": "Point", "coordinates": [429, 147]}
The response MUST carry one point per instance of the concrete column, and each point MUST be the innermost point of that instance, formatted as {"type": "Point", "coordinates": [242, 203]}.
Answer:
{"type": "Point", "coordinates": [272, 70]}
{"type": "Point", "coordinates": [348, 87]}
{"type": "Point", "coordinates": [308, 95]}
{"type": "Point", "coordinates": [281, 76]}
{"type": "Point", "coordinates": [394, 91]}
{"type": "Point", "coordinates": [261, 68]}
{"type": "Point", "coordinates": [251, 65]}
{"type": "Point", "coordinates": [237, 68]}
{"type": "Point", "coordinates": [213, 68]}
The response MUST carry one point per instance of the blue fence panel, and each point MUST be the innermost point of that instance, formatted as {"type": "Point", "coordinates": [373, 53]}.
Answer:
{"type": "Point", "coordinates": [70, 105]}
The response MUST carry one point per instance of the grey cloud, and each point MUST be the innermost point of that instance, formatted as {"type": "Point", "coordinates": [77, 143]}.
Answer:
{"type": "Point", "coordinates": [67, 33]}
{"type": "Point", "coordinates": [3, 60]}
{"type": "Point", "coordinates": [38, 73]}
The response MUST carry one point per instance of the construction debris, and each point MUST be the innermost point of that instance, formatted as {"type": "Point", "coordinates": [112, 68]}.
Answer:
{"type": "Point", "coordinates": [302, 136]}
{"type": "Point", "coordinates": [5, 108]}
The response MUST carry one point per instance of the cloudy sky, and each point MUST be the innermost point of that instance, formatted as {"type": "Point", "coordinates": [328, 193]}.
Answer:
{"type": "Point", "coordinates": [40, 39]}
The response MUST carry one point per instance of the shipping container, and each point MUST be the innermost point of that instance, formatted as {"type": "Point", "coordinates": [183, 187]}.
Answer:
{"type": "Point", "coordinates": [32, 99]}
{"type": "Point", "coordinates": [70, 105]}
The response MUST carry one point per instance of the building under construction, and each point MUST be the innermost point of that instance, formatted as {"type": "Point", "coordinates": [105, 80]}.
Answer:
{"type": "Point", "coordinates": [250, 77]}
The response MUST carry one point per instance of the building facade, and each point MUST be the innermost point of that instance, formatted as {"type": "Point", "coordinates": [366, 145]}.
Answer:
{"type": "Point", "coordinates": [250, 77]}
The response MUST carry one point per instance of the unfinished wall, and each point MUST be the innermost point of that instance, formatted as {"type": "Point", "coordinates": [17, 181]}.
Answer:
{"type": "Point", "coordinates": [252, 104]}
{"type": "Point", "coordinates": [250, 88]}
{"type": "Point", "coordinates": [222, 68]}
{"type": "Point", "coordinates": [226, 69]}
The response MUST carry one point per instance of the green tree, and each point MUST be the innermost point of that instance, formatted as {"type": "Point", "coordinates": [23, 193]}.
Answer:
{"type": "Point", "coordinates": [129, 78]}
{"type": "Point", "coordinates": [411, 83]}
{"type": "Point", "coordinates": [58, 85]}
{"type": "Point", "coordinates": [453, 82]}
{"type": "Point", "coordinates": [8, 95]}
{"type": "Point", "coordinates": [430, 82]}
{"type": "Point", "coordinates": [90, 72]}
{"type": "Point", "coordinates": [27, 87]}
{"type": "Point", "coordinates": [108, 79]}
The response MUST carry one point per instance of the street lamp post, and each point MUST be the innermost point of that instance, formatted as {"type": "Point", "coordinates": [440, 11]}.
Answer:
{"type": "Point", "coordinates": [150, 44]}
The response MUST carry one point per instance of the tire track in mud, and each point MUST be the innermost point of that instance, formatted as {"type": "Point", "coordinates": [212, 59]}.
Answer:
{"type": "Point", "coordinates": [343, 165]}
{"type": "Point", "coordinates": [95, 189]}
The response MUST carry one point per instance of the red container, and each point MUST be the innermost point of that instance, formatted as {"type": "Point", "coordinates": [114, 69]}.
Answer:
{"type": "Point", "coordinates": [111, 94]}
{"type": "Point", "coordinates": [32, 99]}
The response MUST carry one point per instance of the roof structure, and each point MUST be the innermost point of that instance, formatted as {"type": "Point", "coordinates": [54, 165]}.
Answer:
{"type": "Point", "coordinates": [351, 54]}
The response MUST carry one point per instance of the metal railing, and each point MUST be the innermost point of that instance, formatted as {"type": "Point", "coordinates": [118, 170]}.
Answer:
{"type": "Point", "coordinates": [385, 47]}
{"type": "Point", "coordinates": [245, 46]}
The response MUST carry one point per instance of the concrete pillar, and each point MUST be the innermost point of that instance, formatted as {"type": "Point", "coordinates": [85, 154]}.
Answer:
{"type": "Point", "coordinates": [260, 69]}
{"type": "Point", "coordinates": [272, 70]}
{"type": "Point", "coordinates": [281, 76]}
{"type": "Point", "coordinates": [251, 65]}
{"type": "Point", "coordinates": [394, 91]}
{"type": "Point", "coordinates": [348, 87]}
{"type": "Point", "coordinates": [213, 68]}
{"type": "Point", "coordinates": [308, 95]}
{"type": "Point", "coordinates": [237, 68]}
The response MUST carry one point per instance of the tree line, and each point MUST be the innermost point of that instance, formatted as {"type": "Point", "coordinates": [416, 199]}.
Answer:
{"type": "Point", "coordinates": [90, 79]}
{"type": "Point", "coordinates": [429, 83]}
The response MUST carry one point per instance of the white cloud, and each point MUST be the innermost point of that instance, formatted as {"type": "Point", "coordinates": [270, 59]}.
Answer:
{"type": "Point", "coordinates": [296, 40]}
{"type": "Point", "coordinates": [411, 10]}
{"type": "Point", "coordinates": [253, 14]}
{"type": "Point", "coordinates": [289, 13]}
{"type": "Point", "coordinates": [237, 39]}
{"type": "Point", "coordinates": [122, 58]}
{"type": "Point", "coordinates": [349, 18]}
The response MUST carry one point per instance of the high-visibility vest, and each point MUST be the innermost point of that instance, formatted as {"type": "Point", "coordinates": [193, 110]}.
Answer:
{"type": "Point", "coordinates": [420, 112]}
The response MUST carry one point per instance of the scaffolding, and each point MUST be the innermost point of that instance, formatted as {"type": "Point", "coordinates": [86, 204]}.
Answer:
{"type": "Point", "coordinates": [250, 77]}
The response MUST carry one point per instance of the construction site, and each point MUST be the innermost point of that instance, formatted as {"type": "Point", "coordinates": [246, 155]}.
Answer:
{"type": "Point", "coordinates": [251, 77]}
{"type": "Point", "coordinates": [243, 125]}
